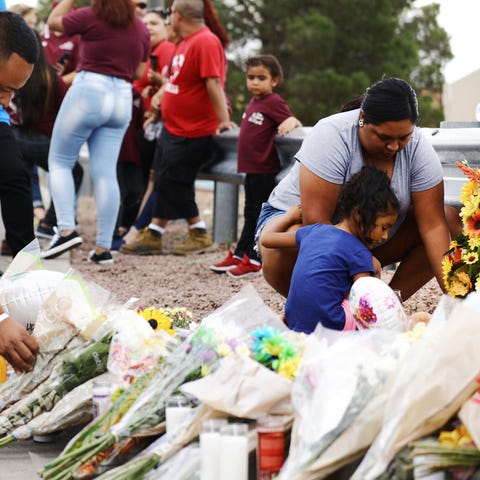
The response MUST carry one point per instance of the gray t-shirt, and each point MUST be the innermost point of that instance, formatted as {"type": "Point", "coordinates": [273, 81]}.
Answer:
{"type": "Point", "coordinates": [332, 151]}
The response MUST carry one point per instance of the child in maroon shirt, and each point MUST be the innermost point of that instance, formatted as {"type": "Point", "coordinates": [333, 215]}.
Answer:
{"type": "Point", "coordinates": [266, 115]}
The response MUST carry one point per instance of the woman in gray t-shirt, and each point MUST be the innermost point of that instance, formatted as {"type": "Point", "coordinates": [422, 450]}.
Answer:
{"type": "Point", "coordinates": [381, 133]}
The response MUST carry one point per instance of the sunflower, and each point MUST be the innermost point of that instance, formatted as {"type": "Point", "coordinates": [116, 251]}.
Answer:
{"type": "Point", "coordinates": [460, 283]}
{"type": "Point", "coordinates": [472, 225]}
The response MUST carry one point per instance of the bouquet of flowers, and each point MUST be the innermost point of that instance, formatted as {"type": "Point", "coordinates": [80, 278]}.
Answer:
{"type": "Point", "coordinates": [461, 263]}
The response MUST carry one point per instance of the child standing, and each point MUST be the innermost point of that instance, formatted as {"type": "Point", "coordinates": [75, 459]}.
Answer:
{"type": "Point", "coordinates": [332, 257]}
{"type": "Point", "coordinates": [266, 114]}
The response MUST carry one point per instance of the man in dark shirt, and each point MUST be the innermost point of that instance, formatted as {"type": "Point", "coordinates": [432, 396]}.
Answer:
{"type": "Point", "coordinates": [18, 52]}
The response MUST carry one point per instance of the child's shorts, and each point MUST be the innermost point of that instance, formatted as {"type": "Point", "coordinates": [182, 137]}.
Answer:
{"type": "Point", "coordinates": [266, 214]}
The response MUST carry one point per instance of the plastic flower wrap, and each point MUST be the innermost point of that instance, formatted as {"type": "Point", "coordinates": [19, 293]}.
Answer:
{"type": "Point", "coordinates": [69, 317]}
{"type": "Point", "coordinates": [146, 412]}
{"type": "Point", "coordinates": [341, 374]}
{"type": "Point", "coordinates": [222, 335]}
{"type": "Point", "coordinates": [136, 346]}
{"type": "Point", "coordinates": [75, 408]}
{"type": "Point", "coordinates": [461, 263]}
{"type": "Point", "coordinates": [86, 362]}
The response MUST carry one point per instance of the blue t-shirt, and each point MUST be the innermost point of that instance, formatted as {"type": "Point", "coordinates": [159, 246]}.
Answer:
{"type": "Point", "coordinates": [328, 258]}
{"type": "Point", "coordinates": [4, 117]}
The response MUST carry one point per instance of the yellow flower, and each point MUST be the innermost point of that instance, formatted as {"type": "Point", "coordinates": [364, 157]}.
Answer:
{"type": "Point", "coordinates": [288, 368]}
{"type": "Point", "coordinates": [473, 243]}
{"type": "Point", "coordinates": [157, 320]}
{"type": "Point", "coordinates": [460, 284]}
{"type": "Point", "coordinates": [243, 350]}
{"type": "Point", "coordinates": [224, 350]}
{"type": "Point", "coordinates": [477, 284]}
{"type": "Point", "coordinates": [469, 189]}
{"type": "Point", "coordinates": [470, 257]}
{"type": "Point", "coordinates": [446, 268]}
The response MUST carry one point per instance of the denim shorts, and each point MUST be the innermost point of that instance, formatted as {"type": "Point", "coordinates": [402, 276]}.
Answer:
{"type": "Point", "coordinates": [266, 214]}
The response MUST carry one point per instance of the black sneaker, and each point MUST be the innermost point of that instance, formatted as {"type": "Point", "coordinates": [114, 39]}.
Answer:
{"type": "Point", "coordinates": [44, 232]}
{"type": "Point", "coordinates": [60, 244]}
{"type": "Point", "coordinates": [103, 258]}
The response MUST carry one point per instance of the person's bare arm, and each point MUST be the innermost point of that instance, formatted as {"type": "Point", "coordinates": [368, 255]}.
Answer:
{"type": "Point", "coordinates": [219, 102]}
{"type": "Point", "coordinates": [139, 70]}
{"type": "Point", "coordinates": [17, 346]}
{"type": "Point", "coordinates": [319, 197]}
{"type": "Point", "coordinates": [54, 20]}
{"type": "Point", "coordinates": [288, 125]}
{"type": "Point", "coordinates": [282, 229]}
{"type": "Point", "coordinates": [432, 226]}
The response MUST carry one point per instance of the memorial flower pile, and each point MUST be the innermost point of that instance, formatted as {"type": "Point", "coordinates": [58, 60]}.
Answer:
{"type": "Point", "coordinates": [461, 263]}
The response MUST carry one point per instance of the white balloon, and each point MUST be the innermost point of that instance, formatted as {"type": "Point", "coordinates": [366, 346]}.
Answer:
{"type": "Point", "coordinates": [22, 295]}
{"type": "Point", "coordinates": [375, 305]}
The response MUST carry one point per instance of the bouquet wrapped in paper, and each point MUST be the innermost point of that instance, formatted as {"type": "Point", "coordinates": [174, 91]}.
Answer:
{"type": "Point", "coordinates": [434, 381]}
{"type": "Point", "coordinates": [337, 398]}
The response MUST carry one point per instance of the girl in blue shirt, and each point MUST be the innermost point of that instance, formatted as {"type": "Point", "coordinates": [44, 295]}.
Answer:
{"type": "Point", "coordinates": [332, 257]}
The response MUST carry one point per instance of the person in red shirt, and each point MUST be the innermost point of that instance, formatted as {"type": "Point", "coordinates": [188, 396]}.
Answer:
{"type": "Point", "coordinates": [266, 115]}
{"type": "Point", "coordinates": [193, 108]}
{"type": "Point", "coordinates": [61, 51]}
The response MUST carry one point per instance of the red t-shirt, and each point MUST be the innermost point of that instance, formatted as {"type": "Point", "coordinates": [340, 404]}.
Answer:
{"type": "Point", "coordinates": [104, 49]}
{"type": "Point", "coordinates": [256, 141]}
{"type": "Point", "coordinates": [186, 107]}
{"type": "Point", "coordinates": [55, 46]}
{"type": "Point", "coordinates": [164, 53]}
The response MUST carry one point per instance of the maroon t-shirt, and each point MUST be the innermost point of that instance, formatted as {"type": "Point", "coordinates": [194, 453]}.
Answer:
{"type": "Point", "coordinates": [56, 45]}
{"type": "Point", "coordinates": [256, 142]}
{"type": "Point", "coordinates": [104, 49]}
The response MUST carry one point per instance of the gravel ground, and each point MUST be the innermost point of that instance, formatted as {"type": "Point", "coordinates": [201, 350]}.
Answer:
{"type": "Point", "coordinates": [169, 280]}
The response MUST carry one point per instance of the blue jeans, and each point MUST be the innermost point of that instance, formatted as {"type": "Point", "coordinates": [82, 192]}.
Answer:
{"type": "Point", "coordinates": [97, 110]}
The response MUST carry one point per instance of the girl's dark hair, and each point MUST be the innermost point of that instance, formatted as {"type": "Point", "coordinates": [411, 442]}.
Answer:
{"type": "Point", "coordinates": [117, 13]}
{"type": "Point", "coordinates": [368, 193]}
{"type": "Point", "coordinates": [269, 62]}
{"type": "Point", "coordinates": [390, 99]}
{"type": "Point", "coordinates": [38, 95]}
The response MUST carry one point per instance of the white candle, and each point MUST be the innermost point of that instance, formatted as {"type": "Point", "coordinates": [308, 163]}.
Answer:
{"type": "Point", "coordinates": [210, 448]}
{"type": "Point", "coordinates": [174, 416]}
{"type": "Point", "coordinates": [234, 452]}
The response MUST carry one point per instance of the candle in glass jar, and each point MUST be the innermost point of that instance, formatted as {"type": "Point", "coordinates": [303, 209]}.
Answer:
{"type": "Point", "coordinates": [234, 451]}
{"type": "Point", "coordinates": [210, 448]}
{"type": "Point", "coordinates": [177, 408]}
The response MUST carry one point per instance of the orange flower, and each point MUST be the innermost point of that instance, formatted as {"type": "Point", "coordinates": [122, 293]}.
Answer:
{"type": "Point", "coordinates": [472, 226]}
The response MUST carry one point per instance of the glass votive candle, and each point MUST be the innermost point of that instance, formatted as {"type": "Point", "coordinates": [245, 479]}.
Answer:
{"type": "Point", "coordinates": [234, 451]}
{"type": "Point", "coordinates": [101, 397]}
{"type": "Point", "coordinates": [210, 448]}
{"type": "Point", "coordinates": [176, 409]}
{"type": "Point", "coordinates": [271, 446]}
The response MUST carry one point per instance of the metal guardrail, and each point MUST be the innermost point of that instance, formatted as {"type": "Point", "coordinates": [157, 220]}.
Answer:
{"type": "Point", "coordinates": [453, 142]}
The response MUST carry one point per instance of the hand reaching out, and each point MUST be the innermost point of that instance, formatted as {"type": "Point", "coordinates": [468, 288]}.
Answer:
{"type": "Point", "coordinates": [17, 346]}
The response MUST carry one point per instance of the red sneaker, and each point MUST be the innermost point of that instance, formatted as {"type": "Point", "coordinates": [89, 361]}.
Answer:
{"type": "Point", "coordinates": [229, 262]}
{"type": "Point", "coordinates": [245, 269]}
